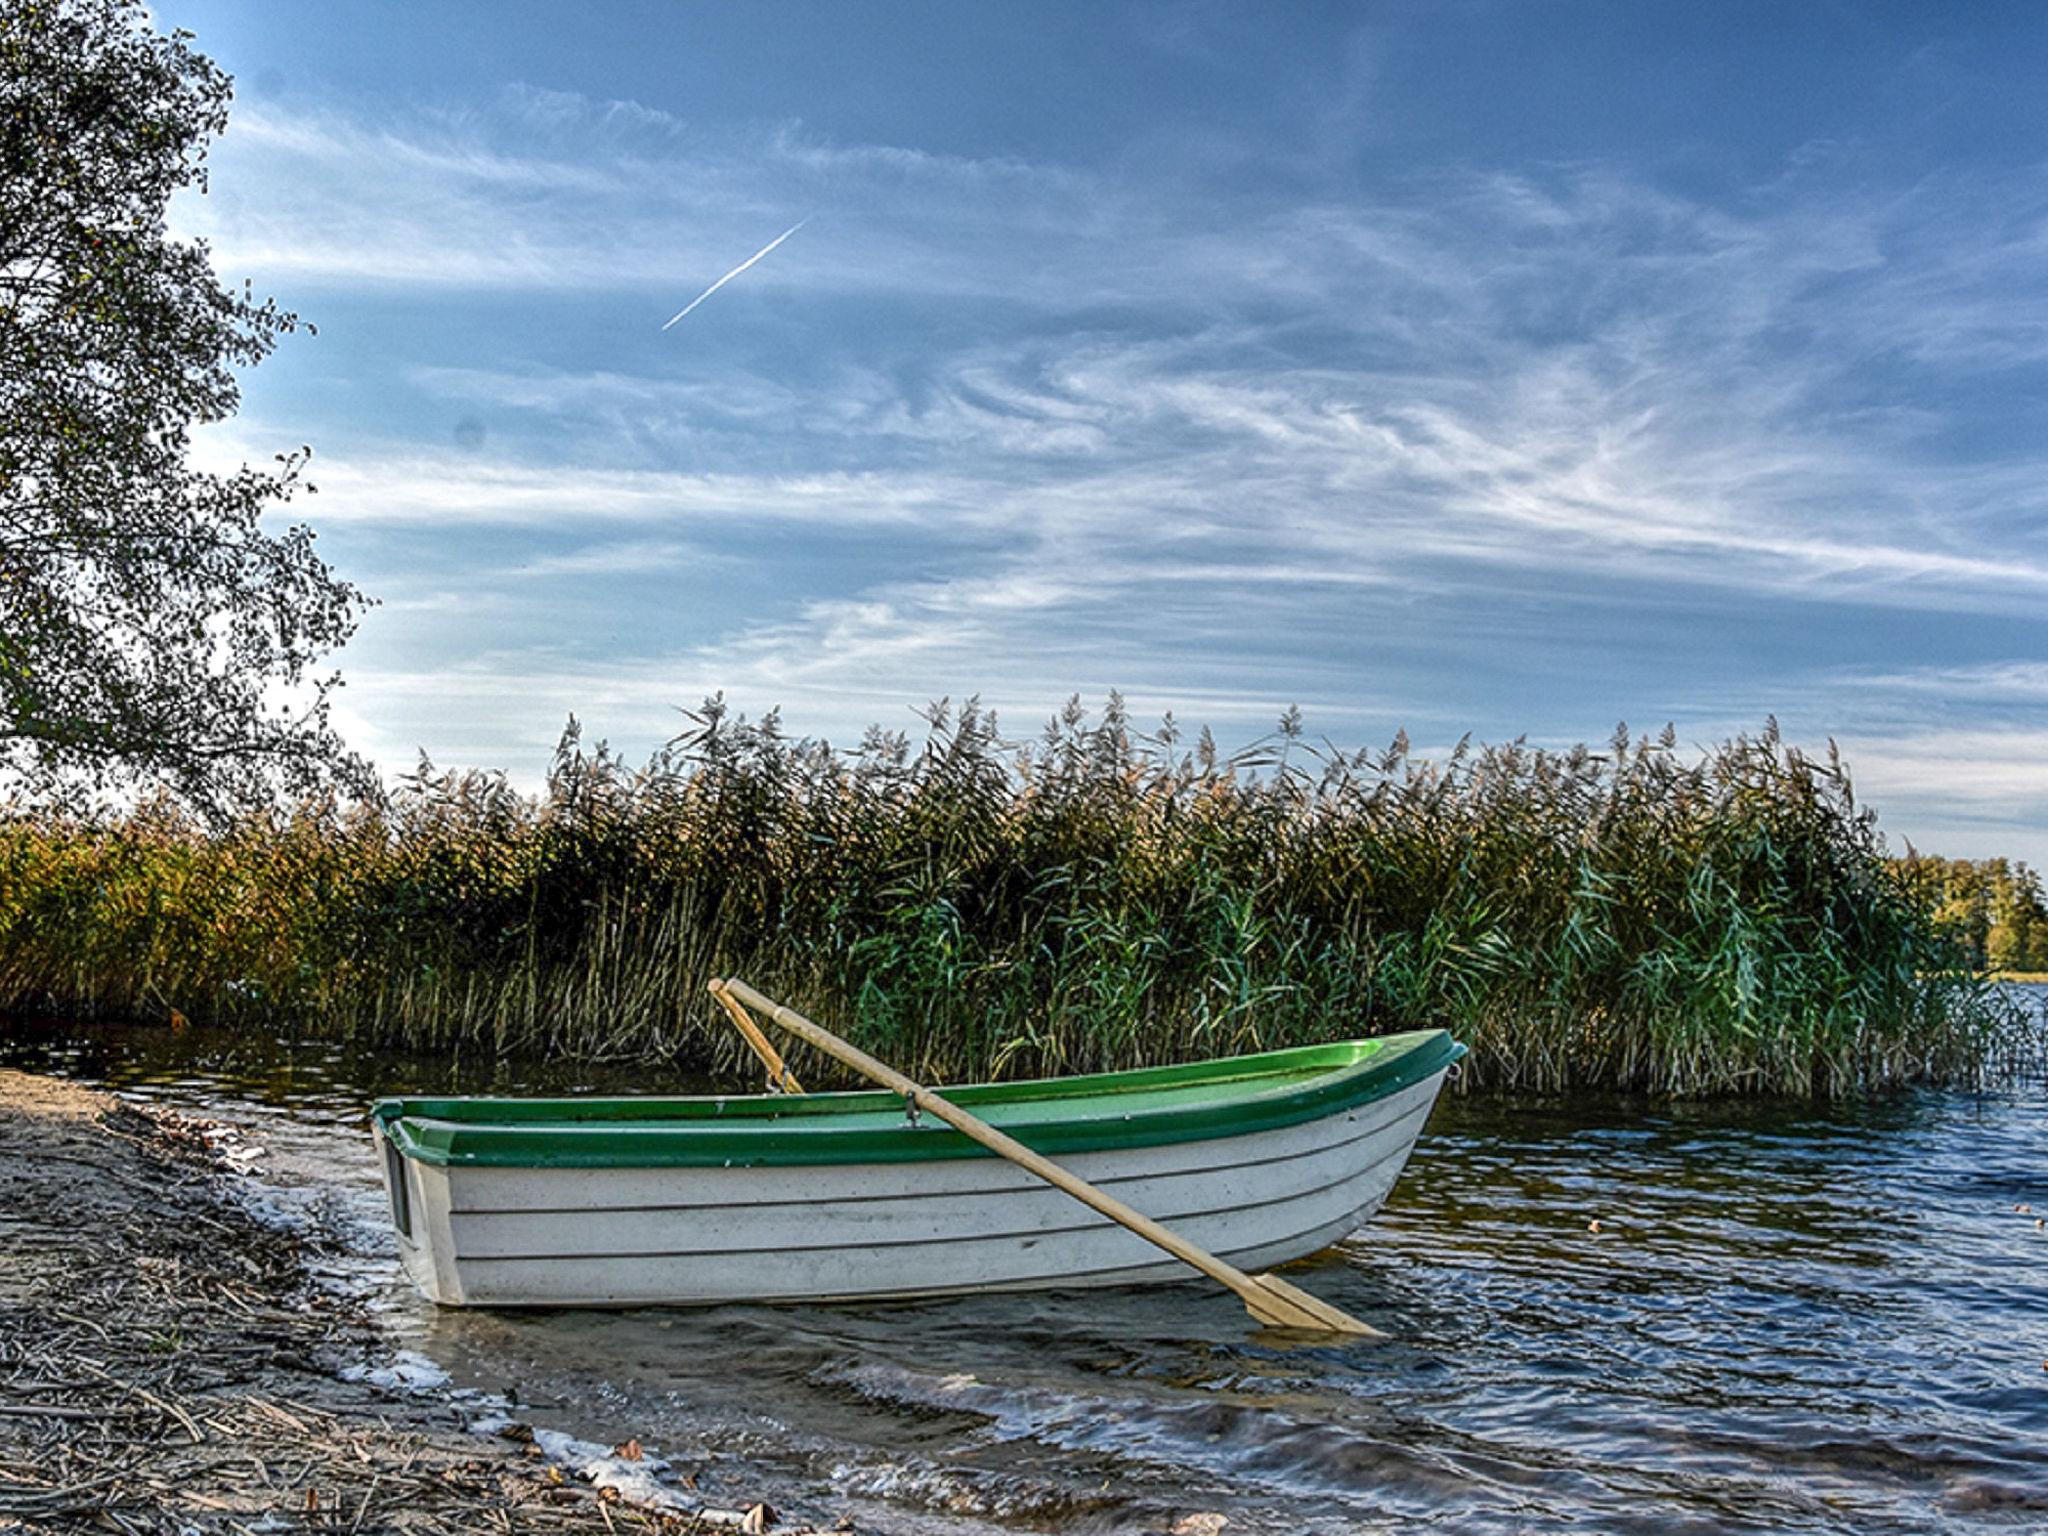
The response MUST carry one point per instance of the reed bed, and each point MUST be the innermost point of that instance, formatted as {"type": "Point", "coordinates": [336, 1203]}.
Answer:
{"type": "Point", "coordinates": [1631, 917]}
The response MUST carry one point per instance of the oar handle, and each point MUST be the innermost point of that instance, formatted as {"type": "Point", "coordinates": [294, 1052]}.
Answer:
{"type": "Point", "coordinates": [780, 1078]}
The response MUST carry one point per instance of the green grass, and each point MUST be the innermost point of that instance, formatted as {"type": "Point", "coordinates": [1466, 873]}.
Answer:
{"type": "Point", "coordinates": [1628, 917]}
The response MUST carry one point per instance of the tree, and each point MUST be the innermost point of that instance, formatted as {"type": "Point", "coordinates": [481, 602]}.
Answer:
{"type": "Point", "coordinates": [2017, 938]}
{"type": "Point", "coordinates": [1994, 908]}
{"type": "Point", "coordinates": [151, 628]}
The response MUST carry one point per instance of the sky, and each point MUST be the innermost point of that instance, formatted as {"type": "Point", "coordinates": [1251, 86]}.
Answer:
{"type": "Point", "coordinates": [1508, 369]}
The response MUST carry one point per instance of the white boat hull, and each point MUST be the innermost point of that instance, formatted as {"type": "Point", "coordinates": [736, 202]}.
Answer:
{"type": "Point", "coordinates": [517, 1236]}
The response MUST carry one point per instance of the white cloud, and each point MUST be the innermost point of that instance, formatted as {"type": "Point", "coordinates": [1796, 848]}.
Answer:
{"type": "Point", "coordinates": [1971, 792]}
{"type": "Point", "coordinates": [622, 557]}
{"type": "Point", "coordinates": [397, 485]}
{"type": "Point", "coordinates": [2003, 770]}
{"type": "Point", "coordinates": [546, 191]}
{"type": "Point", "coordinates": [2013, 682]}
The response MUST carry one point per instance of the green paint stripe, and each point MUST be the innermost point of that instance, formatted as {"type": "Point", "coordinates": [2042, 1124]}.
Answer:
{"type": "Point", "coordinates": [1154, 1106]}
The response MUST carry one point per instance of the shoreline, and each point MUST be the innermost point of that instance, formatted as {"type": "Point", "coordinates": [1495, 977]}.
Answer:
{"type": "Point", "coordinates": [168, 1363]}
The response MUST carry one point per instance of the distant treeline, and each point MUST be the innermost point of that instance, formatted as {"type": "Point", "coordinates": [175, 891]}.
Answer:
{"type": "Point", "coordinates": [1094, 897]}
{"type": "Point", "coordinates": [1993, 908]}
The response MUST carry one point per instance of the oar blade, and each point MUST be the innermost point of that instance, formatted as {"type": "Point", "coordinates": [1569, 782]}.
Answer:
{"type": "Point", "coordinates": [1279, 1305]}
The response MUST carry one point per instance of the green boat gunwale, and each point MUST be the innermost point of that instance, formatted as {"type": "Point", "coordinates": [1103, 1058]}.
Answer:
{"type": "Point", "coordinates": [1191, 1101]}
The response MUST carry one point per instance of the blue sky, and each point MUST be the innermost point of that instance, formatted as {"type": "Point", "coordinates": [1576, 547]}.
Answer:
{"type": "Point", "coordinates": [1503, 368]}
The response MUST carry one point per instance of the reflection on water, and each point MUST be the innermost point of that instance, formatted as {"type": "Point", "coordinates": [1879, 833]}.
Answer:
{"type": "Point", "coordinates": [1786, 1320]}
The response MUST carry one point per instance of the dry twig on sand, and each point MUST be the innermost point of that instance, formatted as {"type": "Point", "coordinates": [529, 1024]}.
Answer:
{"type": "Point", "coordinates": [165, 1365]}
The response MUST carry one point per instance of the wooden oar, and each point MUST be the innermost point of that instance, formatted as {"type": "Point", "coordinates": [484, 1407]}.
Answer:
{"type": "Point", "coordinates": [1268, 1298]}
{"type": "Point", "coordinates": [780, 1078]}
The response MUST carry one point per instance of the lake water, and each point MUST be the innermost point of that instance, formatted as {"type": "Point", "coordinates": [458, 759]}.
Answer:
{"type": "Point", "coordinates": [1789, 1319]}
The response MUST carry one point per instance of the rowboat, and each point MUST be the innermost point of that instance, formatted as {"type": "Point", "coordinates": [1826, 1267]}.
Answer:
{"type": "Point", "coordinates": [841, 1196]}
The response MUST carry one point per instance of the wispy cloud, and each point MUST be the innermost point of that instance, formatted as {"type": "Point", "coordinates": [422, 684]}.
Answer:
{"type": "Point", "coordinates": [2011, 682]}
{"type": "Point", "coordinates": [617, 557]}
{"type": "Point", "coordinates": [2002, 771]}
{"type": "Point", "coordinates": [388, 484]}
{"type": "Point", "coordinates": [577, 194]}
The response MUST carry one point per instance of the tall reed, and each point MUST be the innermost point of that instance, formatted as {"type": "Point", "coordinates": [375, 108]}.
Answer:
{"type": "Point", "coordinates": [1097, 897]}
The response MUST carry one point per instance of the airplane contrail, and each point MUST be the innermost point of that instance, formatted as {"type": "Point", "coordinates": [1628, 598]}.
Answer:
{"type": "Point", "coordinates": [736, 271]}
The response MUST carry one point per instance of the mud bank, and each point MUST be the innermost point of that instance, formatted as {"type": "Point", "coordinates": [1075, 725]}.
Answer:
{"type": "Point", "coordinates": [167, 1362]}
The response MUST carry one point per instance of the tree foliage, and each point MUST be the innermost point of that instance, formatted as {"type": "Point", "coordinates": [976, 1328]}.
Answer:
{"type": "Point", "coordinates": [150, 624]}
{"type": "Point", "coordinates": [1994, 908]}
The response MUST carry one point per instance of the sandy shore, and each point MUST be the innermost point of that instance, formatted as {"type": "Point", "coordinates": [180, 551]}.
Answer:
{"type": "Point", "coordinates": [166, 1364]}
